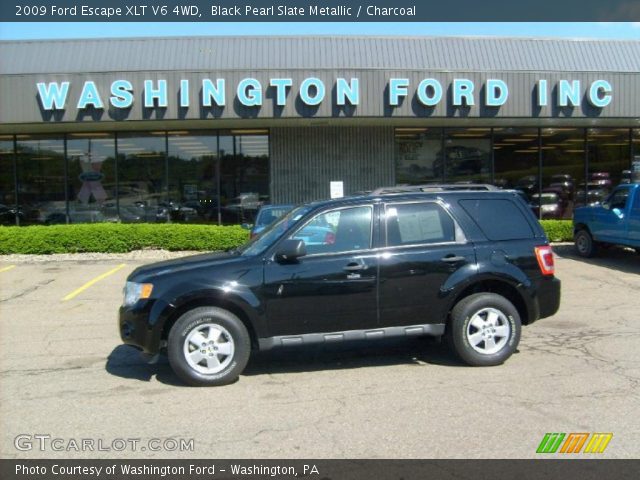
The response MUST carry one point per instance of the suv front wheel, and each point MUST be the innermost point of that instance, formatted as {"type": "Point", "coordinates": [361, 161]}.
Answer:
{"type": "Point", "coordinates": [208, 346]}
{"type": "Point", "coordinates": [484, 329]}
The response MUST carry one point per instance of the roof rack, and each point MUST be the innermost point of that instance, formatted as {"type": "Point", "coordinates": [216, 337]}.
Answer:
{"type": "Point", "coordinates": [434, 187]}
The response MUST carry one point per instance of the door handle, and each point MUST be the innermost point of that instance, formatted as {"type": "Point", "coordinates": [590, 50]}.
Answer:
{"type": "Point", "coordinates": [452, 259]}
{"type": "Point", "coordinates": [355, 267]}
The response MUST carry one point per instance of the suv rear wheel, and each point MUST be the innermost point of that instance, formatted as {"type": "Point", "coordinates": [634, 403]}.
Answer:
{"type": "Point", "coordinates": [208, 346]}
{"type": "Point", "coordinates": [484, 329]}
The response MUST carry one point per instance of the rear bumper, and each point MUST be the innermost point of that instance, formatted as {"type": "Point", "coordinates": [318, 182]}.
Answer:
{"type": "Point", "coordinates": [549, 297]}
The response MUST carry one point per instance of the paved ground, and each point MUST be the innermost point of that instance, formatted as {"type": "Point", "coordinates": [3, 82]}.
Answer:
{"type": "Point", "coordinates": [63, 373]}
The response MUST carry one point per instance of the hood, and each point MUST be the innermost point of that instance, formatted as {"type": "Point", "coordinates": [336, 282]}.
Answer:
{"type": "Point", "coordinates": [147, 272]}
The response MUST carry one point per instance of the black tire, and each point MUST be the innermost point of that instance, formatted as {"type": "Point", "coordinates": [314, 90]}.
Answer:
{"type": "Point", "coordinates": [484, 304]}
{"type": "Point", "coordinates": [585, 246]}
{"type": "Point", "coordinates": [233, 334]}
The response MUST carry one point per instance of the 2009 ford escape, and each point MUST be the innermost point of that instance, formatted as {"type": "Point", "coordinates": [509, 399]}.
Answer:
{"type": "Point", "coordinates": [472, 265]}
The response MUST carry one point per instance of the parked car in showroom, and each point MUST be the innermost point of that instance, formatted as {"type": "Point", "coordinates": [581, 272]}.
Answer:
{"type": "Point", "coordinates": [547, 205]}
{"type": "Point", "coordinates": [267, 215]}
{"type": "Point", "coordinates": [616, 221]}
{"type": "Point", "coordinates": [595, 194]}
{"type": "Point", "coordinates": [601, 178]}
{"type": "Point", "coordinates": [564, 181]}
{"type": "Point", "coordinates": [470, 265]}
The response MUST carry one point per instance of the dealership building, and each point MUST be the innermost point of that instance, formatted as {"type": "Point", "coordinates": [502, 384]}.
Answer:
{"type": "Point", "coordinates": [207, 129]}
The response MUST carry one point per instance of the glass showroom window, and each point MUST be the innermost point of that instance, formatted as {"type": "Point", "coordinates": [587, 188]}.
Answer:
{"type": "Point", "coordinates": [41, 179]}
{"type": "Point", "coordinates": [142, 178]}
{"type": "Point", "coordinates": [466, 157]}
{"type": "Point", "coordinates": [193, 176]}
{"type": "Point", "coordinates": [417, 151]}
{"type": "Point", "coordinates": [563, 165]}
{"type": "Point", "coordinates": [635, 163]}
{"type": "Point", "coordinates": [91, 182]}
{"type": "Point", "coordinates": [515, 156]}
{"type": "Point", "coordinates": [244, 174]}
{"type": "Point", "coordinates": [8, 211]}
{"type": "Point", "coordinates": [609, 158]}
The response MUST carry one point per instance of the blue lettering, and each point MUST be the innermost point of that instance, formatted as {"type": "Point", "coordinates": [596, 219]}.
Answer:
{"type": "Point", "coordinates": [52, 95]}
{"type": "Point", "coordinates": [213, 92]}
{"type": "Point", "coordinates": [151, 94]}
{"type": "Point", "coordinates": [462, 88]}
{"type": "Point", "coordinates": [281, 85]}
{"type": "Point", "coordinates": [543, 100]}
{"type": "Point", "coordinates": [346, 91]}
{"type": "Point", "coordinates": [600, 93]}
{"type": "Point", "coordinates": [184, 93]}
{"type": "Point", "coordinates": [121, 96]}
{"type": "Point", "coordinates": [305, 87]}
{"type": "Point", "coordinates": [397, 89]}
{"type": "Point", "coordinates": [423, 95]}
{"type": "Point", "coordinates": [496, 93]}
{"type": "Point", "coordinates": [90, 96]}
{"type": "Point", "coordinates": [569, 93]}
{"type": "Point", "coordinates": [250, 92]}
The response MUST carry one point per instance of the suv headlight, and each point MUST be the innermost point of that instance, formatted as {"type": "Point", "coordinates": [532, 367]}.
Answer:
{"type": "Point", "coordinates": [136, 291]}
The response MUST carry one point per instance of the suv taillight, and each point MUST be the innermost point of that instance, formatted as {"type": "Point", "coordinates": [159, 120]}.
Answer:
{"type": "Point", "coordinates": [544, 255]}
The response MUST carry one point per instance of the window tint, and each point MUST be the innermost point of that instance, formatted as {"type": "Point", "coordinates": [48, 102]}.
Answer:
{"type": "Point", "coordinates": [618, 199]}
{"type": "Point", "coordinates": [414, 223]}
{"type": "Point", "coordinates": [337, 231]}
{"type": "Point", "coordinates": [498, 219]}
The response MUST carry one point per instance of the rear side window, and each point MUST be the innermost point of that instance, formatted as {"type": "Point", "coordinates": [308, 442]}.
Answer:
{"type": "Point", "coordinates": [499, 219]}
{"type": "Point", "coordinates": [417, 223]}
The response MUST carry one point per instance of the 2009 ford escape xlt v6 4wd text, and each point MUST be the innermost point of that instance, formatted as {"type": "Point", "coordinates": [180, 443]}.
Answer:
{"type": "Point", "coordinates": [472, 265]}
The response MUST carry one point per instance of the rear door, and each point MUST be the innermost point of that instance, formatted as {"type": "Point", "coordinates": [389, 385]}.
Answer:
{"type": "Point", "coordinates": [423, 247]}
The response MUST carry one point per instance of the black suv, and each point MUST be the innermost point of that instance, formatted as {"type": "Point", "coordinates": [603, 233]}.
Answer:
{"type": "Point", "coordinates": [471, 265]}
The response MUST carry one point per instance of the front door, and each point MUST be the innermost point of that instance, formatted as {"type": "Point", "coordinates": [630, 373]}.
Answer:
{"type": "Point", "coordinates": [610, 225]}
{"type": "Point", "coordinates": [332, 288]}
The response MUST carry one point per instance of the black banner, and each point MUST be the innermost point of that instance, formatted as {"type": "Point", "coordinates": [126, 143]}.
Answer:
{"type": "Point", "coordinates": [318, 11]}
{"type": "Point", "coordinates": [547, 469]}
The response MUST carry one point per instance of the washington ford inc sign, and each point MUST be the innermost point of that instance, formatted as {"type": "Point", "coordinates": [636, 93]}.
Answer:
{"type": "Point", "coordinates": [312, 91]}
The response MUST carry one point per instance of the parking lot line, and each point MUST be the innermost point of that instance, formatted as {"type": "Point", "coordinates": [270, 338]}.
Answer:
{"type": "Point", "coordinates": [6, 269]}
{"type": "Point", "coordinates": [94, 281]}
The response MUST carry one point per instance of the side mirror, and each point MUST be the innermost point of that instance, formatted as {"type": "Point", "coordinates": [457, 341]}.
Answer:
{"type": "Point", "coordinates": [290, 250]}
{"type": "Point", "coordinates": [618, 212]}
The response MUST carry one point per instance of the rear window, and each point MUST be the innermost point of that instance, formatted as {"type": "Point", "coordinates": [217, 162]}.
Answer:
{"type": "Point", "coordinates": [499, 219]}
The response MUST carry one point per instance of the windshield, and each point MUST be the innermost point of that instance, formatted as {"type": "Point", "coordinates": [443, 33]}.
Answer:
{"type": "Point", "coordinates": [273, 232]}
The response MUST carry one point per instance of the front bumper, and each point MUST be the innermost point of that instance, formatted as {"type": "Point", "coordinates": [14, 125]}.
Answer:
{"type": "Point", "coordinates": [137, 330]}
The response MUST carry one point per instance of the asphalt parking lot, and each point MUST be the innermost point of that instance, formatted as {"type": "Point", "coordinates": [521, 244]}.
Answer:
{"type": "Point", "coordinates": [64, 373]}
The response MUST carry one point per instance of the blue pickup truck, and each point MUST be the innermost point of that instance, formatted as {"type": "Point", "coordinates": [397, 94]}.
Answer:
{"type": "Point", "coordinates": [616, 221]}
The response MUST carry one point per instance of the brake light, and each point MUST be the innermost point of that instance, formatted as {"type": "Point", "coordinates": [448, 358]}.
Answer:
{"type": "Point", "coordinates": [544, 254]}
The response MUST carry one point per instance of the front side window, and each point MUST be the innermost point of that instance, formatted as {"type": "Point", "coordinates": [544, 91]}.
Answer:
{"type": "Point", "coordinates": [418, 223]}
{"type": "Point", "coordinates": [335, 231]}
{"type": "Point", "coordinates": [619, 198]}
